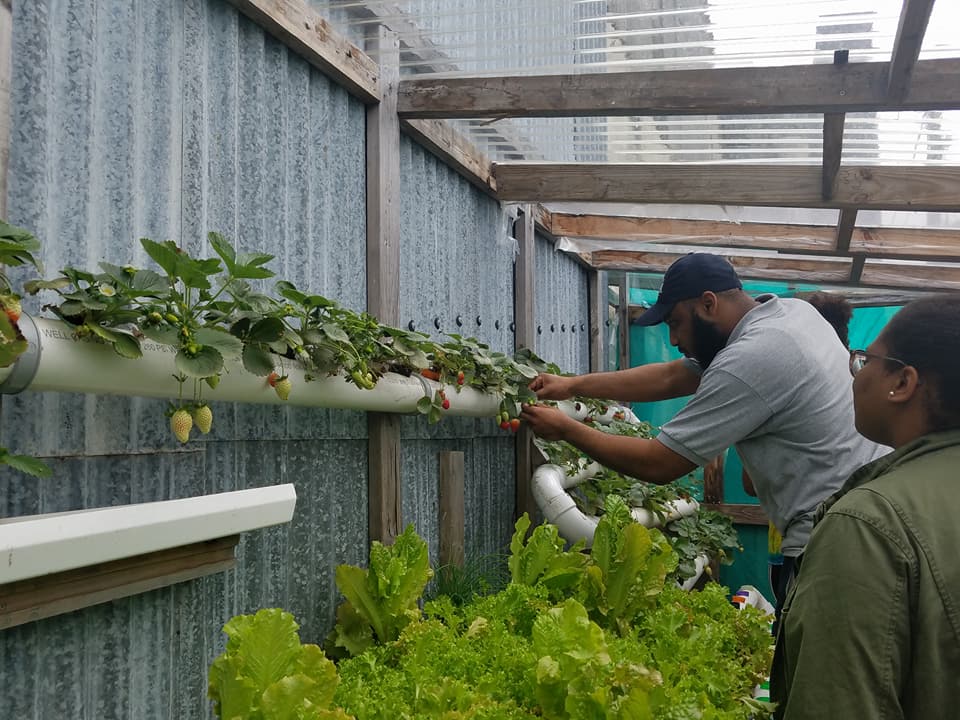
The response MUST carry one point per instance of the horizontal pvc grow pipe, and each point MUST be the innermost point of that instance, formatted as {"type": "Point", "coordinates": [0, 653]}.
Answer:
{"type": "Point", "coordinates": [58, 361]}
{"type": "Point", "coordinates": [37, 545]}
{"type": "Point", "coordinates": [550, 484]}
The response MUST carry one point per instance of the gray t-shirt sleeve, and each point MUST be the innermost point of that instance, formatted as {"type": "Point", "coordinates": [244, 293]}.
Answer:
{"type": "Point", "coordinates": [723, 411]}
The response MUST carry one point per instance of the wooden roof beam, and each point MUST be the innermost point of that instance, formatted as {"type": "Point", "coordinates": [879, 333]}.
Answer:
{"type": "Point", "coordinates": [914, 16]}
{"type": "Point", "coordinates": [854, 87]}
{"type": "Point", "coordinates": [770, 236]}
{"type": "Point", "coordinates": [307, 33]}
{"type": "Point", "coordinates": [931, 188]}
{"type": "Point", "coordinates": [833, 137]}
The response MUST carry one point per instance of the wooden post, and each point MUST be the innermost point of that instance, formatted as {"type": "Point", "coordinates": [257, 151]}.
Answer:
{"type": "Point", "coordinates": [523, 294]}
{"type": "Point", "coordinates": [6, 46]}
{"type": "Point", "coordinates": [383, 281]}
{"type": "Point", "coordinates": [597, 298]}
{"type": "Point", "coordinates": [451, 508]}
{"type": "Point", "coordinates": [623, 323]}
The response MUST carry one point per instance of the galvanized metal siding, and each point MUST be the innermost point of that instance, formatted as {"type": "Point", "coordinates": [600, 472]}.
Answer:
{"type": "Point", "coordinates": [456, 261]}
{"type": "Point", "coordinates": [167, 119]}
{"type": "Point", "coordinates": [561, 309]}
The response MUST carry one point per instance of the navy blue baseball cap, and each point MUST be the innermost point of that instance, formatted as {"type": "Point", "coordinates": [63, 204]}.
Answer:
{"type": "Point", "coordinates": [690, 277]}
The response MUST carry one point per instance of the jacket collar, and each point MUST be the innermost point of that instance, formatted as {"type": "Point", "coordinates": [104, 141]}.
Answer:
{"type": "Point", "coordinates": [883, 465]}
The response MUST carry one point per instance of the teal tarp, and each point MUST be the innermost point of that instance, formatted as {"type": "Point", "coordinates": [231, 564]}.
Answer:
{"type": "Point", "coordinates": [649, 345]}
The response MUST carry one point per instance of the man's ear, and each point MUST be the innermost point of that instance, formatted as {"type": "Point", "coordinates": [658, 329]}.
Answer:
{"type": "Point", "coordinates": [709, 302]}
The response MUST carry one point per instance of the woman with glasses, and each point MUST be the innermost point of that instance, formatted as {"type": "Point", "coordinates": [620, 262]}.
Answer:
{"type": "Point", "coordinates": [871, 628]}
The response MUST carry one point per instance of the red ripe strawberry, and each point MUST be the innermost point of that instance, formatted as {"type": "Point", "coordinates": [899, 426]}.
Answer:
{"type": "Point", "coordinates": [505, 425]}
{"type": "Point", "coordinates": [181, 424]}
{"type": "Point", "coordinates": [11, 306]}
{"type": "Point", "coordinates": [283, 386]}
{"type": "Point", "coordinates": [460, 378]}
{"type": "Point", "coordinates": [203, 417]}
{"type": "Point", "coordinates": [515, 424]}
{"type": "Point", "coordinates": [445, 404]}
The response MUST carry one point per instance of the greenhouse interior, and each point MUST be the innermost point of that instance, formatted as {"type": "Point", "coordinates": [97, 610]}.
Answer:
{"type": "Point", "coordinates": [460, 359]}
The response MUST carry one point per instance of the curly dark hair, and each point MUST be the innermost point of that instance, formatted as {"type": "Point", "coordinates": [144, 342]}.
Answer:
{"type": "Point", "coordinates": [926, 334]}
{"type": "Point", "coordinates": [835, 309]}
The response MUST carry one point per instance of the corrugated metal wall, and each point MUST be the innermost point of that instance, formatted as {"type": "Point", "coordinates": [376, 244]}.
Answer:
{"type": "Point", "coordinates": [166, 119]}
{"type": "Point", "coordinates": [561, 309]}
{"type": "Point", "coordinates": [456, 264]}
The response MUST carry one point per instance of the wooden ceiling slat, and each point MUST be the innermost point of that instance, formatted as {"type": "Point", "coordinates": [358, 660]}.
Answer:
{"type": "Point", "coordinates": [821, 88]}
{"type": "Point", "coordinates": [695, 232]}
{"type": "Point", "coordinates": [932, 242]}
{"type": "Point", "coordinates": [928, 277]}
{"type": "Point", "coordinates": [766, 267]}
{"type": "Point", "coordinates": [865, 187]}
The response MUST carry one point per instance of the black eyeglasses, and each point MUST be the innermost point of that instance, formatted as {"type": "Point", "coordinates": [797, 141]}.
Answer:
{"type": "Point", "coordinates": [859, 358]}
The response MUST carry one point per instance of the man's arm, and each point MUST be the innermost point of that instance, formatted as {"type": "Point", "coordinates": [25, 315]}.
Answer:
{"type": "Point", "coordinates": [647, 460]}
{"type": "Point", "coordinates": [646, 383]}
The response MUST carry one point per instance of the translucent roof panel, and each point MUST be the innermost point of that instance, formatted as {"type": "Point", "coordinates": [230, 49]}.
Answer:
{"type": "Point", "coordinates": [560, 36]}
{"type": "Point", "coordinates": [455, 38]}
{"type": "Point", "coordinates": [889, 138]}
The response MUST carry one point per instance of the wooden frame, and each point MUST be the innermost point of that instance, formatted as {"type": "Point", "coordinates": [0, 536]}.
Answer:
{"type": "Point", "coordinates": [48, 595]}
{"type": "Point", "coordinates": [853, 87]}
{"type": "Point", "coordinates": [303, 30]}
{"type": "Point", "coordinates": [933, 188]}
{"type": "Point", "coordinates": [383, 282]}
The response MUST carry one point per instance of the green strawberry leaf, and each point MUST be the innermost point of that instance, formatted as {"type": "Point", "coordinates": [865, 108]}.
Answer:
{"type": "Point", "coordinates": [10, 351]}
{"type": "Point", "coordinates": [161, 334]}
{"type": "Point", "coordinates": [335, 332]}
{"type": "Point", "coordinates": [424, 405]}
{"type": "Point", "coordinates": [127, 345]}
{"type": "Point", "coordinates": [163, 254]}
{"type": "Point", "coordinates": [27, 464]}
{"type": "Point", "coordinates": [208, 361]}
{"type": "Point", "coordinates": [7, 328]}
{"type": "Point", "coordinates": [224, 249]}
{"type": "Point", "coordinates": [228, 345]}
{"type": "Point", "coordinates": [267, 330]}
{"type": "Point", "coordinates": [257, 360]}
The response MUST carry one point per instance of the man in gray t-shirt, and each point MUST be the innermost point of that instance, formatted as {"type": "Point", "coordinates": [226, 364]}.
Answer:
{"type": "Point", "coordinates": [768, 376]}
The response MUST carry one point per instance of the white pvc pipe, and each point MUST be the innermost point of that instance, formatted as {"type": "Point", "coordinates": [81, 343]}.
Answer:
{"type": "Point", "coordinates": [37, 545]}
{"type": "Point", "coordinates": [88, 365]}
{"type": "Point", "coordinates": [550, 484]}
{"type": "Point", "coordinates": [701, 562]}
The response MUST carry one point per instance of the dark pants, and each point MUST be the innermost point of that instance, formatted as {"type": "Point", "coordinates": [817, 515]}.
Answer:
{"type": "Point", "coordinates": [780, 578]}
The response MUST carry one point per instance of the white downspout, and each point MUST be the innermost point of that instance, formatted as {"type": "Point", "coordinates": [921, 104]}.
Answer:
{"type": "Point", "coordinates": [550, 485]}
{"type": "Point", "coordinates": [57, 361]}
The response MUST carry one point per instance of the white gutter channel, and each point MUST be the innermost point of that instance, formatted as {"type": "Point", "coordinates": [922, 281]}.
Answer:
{"type": "Point", "coordinates": [57, 361]}
{"type": "Point", "coordinates": [42, 544]}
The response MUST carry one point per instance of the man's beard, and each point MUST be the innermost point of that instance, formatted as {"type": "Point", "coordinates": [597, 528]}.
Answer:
{"type": "Point", "coordinates": [707, 341]}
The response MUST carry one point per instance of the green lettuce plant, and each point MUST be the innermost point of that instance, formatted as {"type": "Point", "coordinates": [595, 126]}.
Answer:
{"type": "Point", "coordinates": [383, 599]}
{"type": "Point", "coordinates": [266, 674]}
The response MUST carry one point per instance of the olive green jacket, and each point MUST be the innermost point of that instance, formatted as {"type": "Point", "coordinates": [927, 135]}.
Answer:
{"type": "Point", "coordinates": [871, 628]}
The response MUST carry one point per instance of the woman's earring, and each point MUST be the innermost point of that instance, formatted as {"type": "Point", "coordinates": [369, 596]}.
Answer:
{"type": "Point", "coordinates": [890, 393]}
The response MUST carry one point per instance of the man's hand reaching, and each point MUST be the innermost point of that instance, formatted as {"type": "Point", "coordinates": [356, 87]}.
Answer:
{"type": "Point", "coordinates": [552, 387]}
{"type": "Point", "coordinates": [547, 422]}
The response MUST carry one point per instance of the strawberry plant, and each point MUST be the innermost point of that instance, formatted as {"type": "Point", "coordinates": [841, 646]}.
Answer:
{"type": "Point", "coordinates": [17, 248]}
